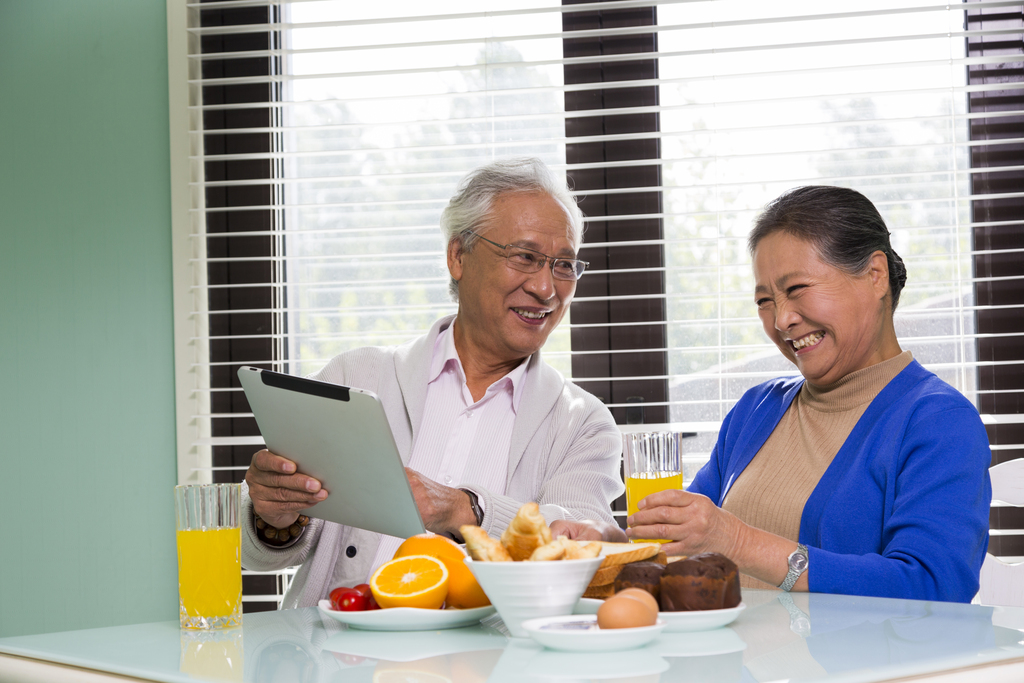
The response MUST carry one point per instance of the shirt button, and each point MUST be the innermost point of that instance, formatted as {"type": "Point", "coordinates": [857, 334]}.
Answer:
{"type": "Point", "coordinates": [469, 413]}
{"type": "Point", "coordinates": [350, 551]}
{"type": "Point", "coordinates": [447, 480]}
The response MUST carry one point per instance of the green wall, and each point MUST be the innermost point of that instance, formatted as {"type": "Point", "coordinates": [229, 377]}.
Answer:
{"type": "Point", "coordinates": [87, 451]}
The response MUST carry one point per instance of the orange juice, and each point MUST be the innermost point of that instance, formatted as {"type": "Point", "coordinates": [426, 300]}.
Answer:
{"type": "Point", "coordinates": [639, 486]}
{"type": "Point", "coordinates": [210, 575]}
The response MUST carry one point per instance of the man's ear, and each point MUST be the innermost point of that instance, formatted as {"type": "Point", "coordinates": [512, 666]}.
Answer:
{"type": "Point", "coordinates": [455, 255]}
{"type": "Point", "coordinates": [878, 271]}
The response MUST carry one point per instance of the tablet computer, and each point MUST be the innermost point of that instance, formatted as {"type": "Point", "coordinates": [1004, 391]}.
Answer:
{"type": "Point", "coordinates": [341, 436]}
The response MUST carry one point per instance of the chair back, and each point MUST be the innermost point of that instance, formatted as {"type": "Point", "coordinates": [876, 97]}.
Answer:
{"type": "Point", "coordinates": [1002, 582]}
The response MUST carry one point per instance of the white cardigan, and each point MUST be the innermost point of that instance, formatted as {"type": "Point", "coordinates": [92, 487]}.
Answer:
{"type": "Point", "coordinates": [565, 455]}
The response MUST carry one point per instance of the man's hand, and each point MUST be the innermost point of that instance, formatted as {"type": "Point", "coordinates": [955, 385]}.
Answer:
{"type": "Point", "coordinates": [442, 508]}
{"type": "Point", "coordinates": [277, 492]}
{"type": "Point", "coordinates": [587, 530]}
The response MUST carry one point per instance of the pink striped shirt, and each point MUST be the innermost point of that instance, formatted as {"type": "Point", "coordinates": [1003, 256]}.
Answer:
{"type": "Point", "coordinates": [462, 443]}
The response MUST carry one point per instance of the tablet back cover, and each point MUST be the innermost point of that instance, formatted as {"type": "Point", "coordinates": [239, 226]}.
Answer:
{"type": "Point", "coordinates": [340, 436]}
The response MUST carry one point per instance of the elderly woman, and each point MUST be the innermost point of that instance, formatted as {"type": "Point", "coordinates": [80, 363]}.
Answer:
{"type": "Point", "coordinates": [868, 474]}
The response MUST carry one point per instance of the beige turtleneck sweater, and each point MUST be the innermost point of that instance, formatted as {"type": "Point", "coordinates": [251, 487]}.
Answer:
{"type": "Point", "coordinates": [771, 492]}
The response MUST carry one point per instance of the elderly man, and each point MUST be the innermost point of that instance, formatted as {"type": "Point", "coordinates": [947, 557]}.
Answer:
{"type": "Point", "coordinates": [482, 423]}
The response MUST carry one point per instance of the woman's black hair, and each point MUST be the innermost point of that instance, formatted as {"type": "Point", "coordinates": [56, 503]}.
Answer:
{"type": "Point", "coordinates": [842, 224]}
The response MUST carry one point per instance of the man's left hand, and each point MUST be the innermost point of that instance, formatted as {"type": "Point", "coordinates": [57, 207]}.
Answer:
{"type": "Point", "coordinates": [442, 508]}
{"type": "Point", "coordinates": [587, 530]}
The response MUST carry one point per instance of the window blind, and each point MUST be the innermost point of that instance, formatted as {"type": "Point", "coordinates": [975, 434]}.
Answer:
{"type": "Point", "coordinates": [326, 138]}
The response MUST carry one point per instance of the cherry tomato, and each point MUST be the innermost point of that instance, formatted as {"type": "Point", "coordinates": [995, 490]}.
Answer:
{"type": "Point", "coordinates": [353, 601]}
{"type": "Point", "coordinates": [371, 604]}
{"type": "Point", "coordinates": [363, 588]}
{"type": "Point", "coordinates": [337, 594]}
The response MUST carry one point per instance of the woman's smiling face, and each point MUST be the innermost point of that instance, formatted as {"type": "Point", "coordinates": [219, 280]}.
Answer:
{"type": "Point", "coordinates": [827, 322]}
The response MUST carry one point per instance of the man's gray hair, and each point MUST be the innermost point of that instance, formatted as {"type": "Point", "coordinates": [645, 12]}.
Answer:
{"type": "Point", "coordinates": [470, 208]}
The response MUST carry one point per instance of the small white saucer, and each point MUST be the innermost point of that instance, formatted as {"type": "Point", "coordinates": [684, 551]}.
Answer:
{"type": "Point", "coordinates": [580, 633]}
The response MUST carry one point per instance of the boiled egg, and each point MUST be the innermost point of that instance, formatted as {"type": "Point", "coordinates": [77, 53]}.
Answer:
{"type": "Point", "coordinates": [626, 611]}
{"type": "Point", "coordinates": [641, 595]}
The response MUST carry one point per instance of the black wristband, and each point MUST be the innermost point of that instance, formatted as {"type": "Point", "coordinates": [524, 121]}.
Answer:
{"type": "Point", "coordinates": [474, 503]}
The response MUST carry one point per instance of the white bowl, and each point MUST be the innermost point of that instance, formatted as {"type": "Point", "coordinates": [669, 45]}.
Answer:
{"type": "Point", "coordinates": [529, 590]}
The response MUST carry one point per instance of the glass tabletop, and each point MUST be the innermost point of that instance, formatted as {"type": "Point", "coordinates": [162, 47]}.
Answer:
{"type": "Point", "coordinates": [799, 637]}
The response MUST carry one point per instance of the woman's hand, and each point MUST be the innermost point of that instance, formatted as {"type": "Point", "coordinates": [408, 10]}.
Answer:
{"type": "Point", "coordinates": [690, 521]}
{"type": "Point", "coordinates": [693, 524]}
{"type": "Point", "coordinates": [278, 492]}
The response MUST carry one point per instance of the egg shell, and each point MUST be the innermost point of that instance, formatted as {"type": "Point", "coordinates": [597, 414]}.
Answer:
{"type": "Point", "coordinates": [625, 612]}
{"type": "Point", "coordinates": [641, 595]}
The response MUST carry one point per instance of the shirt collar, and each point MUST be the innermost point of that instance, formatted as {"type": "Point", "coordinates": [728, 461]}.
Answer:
{"type": "Point", "coordinates": [445, 354]}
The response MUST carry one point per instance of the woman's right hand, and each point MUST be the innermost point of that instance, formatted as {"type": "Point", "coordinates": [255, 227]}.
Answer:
{"type": "Point", "coordinates": [278, 492]}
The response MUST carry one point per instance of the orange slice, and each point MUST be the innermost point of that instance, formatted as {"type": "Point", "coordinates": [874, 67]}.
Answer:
{"type": "Point", "coordinates": [413, 581]}
{"type": "Point", "coordinates": [463, 590]}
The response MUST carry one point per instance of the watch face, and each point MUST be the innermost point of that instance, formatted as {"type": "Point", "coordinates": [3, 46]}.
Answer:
{"type": "Point", "coordinates": [798, 562]}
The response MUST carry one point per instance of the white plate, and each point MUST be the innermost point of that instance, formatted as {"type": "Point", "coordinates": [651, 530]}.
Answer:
{"type": "Point", "coordinates": [701, 620]}
{"type": "Point", "coordinates": [407, 618]}
{"type": "Point", "coordinates": [580, 633]}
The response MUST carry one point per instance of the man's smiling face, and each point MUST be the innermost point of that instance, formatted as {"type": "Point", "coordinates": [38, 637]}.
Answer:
{"type": "Point", "coordinates": [505, 314]}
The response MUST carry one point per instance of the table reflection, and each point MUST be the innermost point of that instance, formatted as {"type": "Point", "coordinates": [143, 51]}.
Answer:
{"type": "Point", "coordinates": [800, 637]}
{"type": "Point", "coordinates": [215, 655]}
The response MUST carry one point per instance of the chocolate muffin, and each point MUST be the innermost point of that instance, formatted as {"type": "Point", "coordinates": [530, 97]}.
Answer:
{"type": "Point", "coordinates": [700, 582]}
{"type": "Point", "coordinates": [643, 575]}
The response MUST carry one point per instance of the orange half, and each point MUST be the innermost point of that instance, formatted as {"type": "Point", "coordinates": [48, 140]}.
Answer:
{"type": "Point", "coordinates": [412, 581]}
{"type": "Point", "coordinates": [463, 590]}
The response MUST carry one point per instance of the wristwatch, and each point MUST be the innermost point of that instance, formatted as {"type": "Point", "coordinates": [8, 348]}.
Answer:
{"type": "Point", "coordinates": [797, 566]}
{"type": "Point", "coordinates": [474, 503]}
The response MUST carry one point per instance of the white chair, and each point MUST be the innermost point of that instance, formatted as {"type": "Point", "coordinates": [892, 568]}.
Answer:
{"type": "Point", "coordinates": [1002, 583]}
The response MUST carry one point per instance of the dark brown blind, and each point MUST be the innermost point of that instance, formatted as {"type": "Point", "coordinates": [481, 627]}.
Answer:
{"type": "Point", "coordinates": [243, 272]}
{"type": "Point", "coordinates": [996, 39]}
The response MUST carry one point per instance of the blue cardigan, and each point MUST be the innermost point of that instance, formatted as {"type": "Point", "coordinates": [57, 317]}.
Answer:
{"type": "Point", "coordinates": [902, 511]}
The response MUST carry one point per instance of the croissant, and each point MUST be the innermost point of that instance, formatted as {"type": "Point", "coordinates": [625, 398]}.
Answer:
{"type": "Point", "coordinates": [549, 551]}
{"type": "Point", "coordinates": [527, 532]}
{"type": "Point", "coordinates": [580, 551]}
{"type": "Point", "coordinates": [482, 547]}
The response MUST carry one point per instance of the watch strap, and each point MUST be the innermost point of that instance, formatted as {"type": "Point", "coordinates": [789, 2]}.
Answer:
{"type": "Point", "coordinates": [474, 503]}
{"type": "Point", "coordinates": [798, 562]}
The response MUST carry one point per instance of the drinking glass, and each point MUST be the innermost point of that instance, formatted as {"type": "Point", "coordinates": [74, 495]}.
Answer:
{"type": "Point", "coordinates": [209, 555]}
{"type": "Point", "coordinates": [652, 463]}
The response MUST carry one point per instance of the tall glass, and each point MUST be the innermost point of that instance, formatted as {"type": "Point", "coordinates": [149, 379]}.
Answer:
{"type": "Point", "coordinates": [653, 462]}
{"type": "Point", "coordinates": [209, 555]}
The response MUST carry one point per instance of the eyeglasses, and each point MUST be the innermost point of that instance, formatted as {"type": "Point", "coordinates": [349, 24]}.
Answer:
{"type": "Point", "coordinates": [529, 261]}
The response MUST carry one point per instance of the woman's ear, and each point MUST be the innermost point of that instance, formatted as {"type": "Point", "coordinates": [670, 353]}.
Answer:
{"type": "Point", "coordinates": [455, 255]}
{"type": "Point", "coordinates": [878, 272]}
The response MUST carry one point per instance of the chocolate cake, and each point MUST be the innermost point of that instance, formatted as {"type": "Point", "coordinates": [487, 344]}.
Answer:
{"type": "Point", "coordinates": [643, 575]}
{"type": "Point", "coordinates": [700, 582]}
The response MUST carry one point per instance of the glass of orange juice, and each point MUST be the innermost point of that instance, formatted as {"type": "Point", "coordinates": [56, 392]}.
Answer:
{"type": "Point", "coordinates": [652, 462]}
{"type": "Point", "coordinates": [209, 555]}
